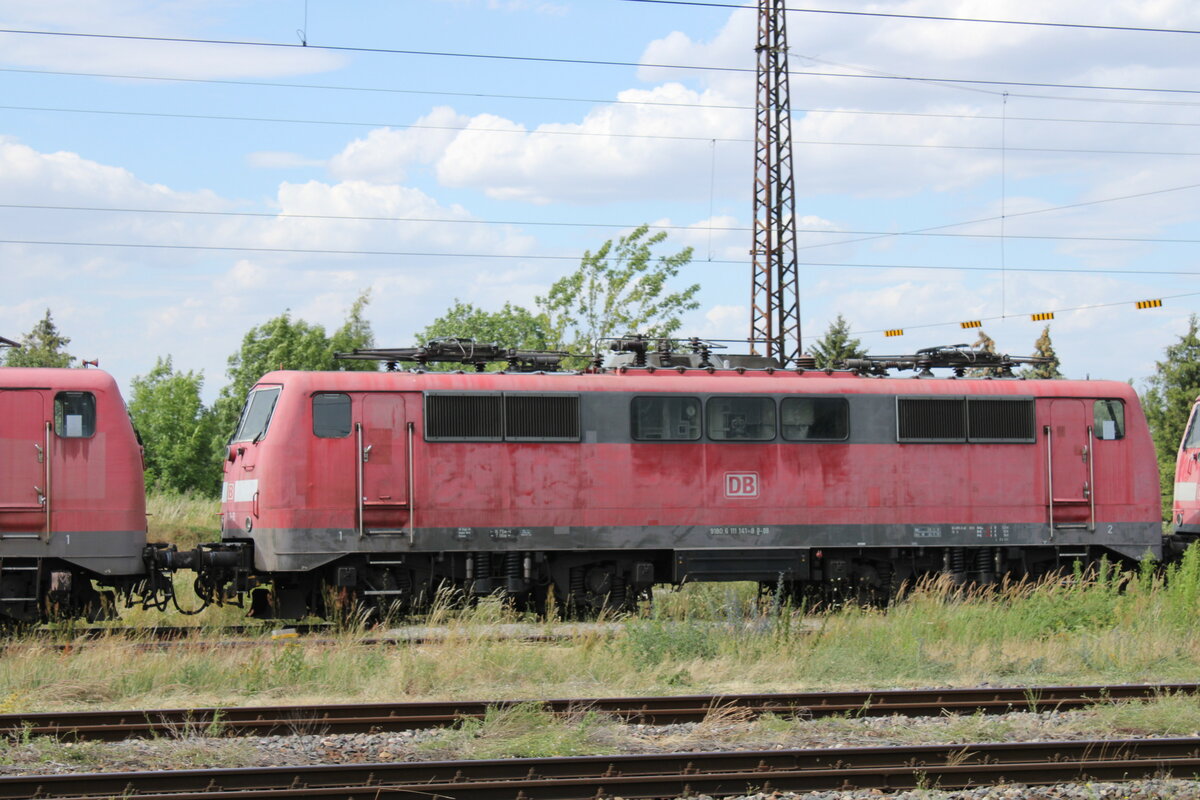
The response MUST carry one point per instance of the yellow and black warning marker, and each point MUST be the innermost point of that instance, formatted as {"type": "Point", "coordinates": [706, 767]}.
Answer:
{"type": "Point", "coordinates": [894, 332]}
{"type": "Point", "coordinates": [1149, 304]}
{"type": "Point", "coordinates": [1042, 317]}
{"type": "Point", "coordinates": [972, 323]}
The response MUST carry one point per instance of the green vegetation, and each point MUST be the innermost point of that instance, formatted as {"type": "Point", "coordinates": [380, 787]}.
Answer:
{"type": "Point", "coordinates": [176, 429]}
{"type": "Point", "coordinates": [617, 290]}
{"type": "Point", "coordinates": [1104, 627]}
{"type": "Point", "coordinates": [43, 346]}
{"type": "Point", "coordinates": [525, 730]}
{"type": "Point", "coordinates": [836, 345]}
{"type": "Point", "coordinates": [1044, 348]}
{"type": "Point", "coordinates": [182, 518]}
{"type": "Point", "coordinates": [620, 289]}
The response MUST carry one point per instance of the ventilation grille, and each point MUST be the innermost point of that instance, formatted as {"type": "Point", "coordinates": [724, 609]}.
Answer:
{"type": "Point", "coordinates": [496, 417]}
{"type": "Point", "coordinates": [931, 419]}
{"type": "Point", "coordinates": [1001, 420]}
{"type": "Point", "coordinates": [541, 418]}
{"type": "Point", "coordinates": [464, 416]}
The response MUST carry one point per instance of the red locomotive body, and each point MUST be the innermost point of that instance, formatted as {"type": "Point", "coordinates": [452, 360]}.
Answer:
{"type": "Point", "coordinates": [1186, 508]}
{"type": "Point", "coordinates": [382, 486]}
{"type": "Point", "coordinates": [72, 504]}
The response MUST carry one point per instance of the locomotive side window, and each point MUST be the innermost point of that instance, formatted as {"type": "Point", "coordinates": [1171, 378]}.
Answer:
{"type": "Point", "coordinates": [741, 418]}
{"type": "Point", "coordinates": [1001, 420]}
{"type": "Point", "coordinates": [541, 418]}
{"type": "Point", "coordinates": [1110, 419]}
{"type": "Point", "coordinates": [674, 419]}
{"type": "Point", "coordinates": [74, 415]}
{"type": "Point", "coordinates": [931, 419]}
{"type": "Point", "coordinates": [814, 418]}
{"type": "Point", "coordinates": [257, 415]}
{"type": "Point", "coordinates": [331, 415]}
{"type": "Point", "coordinates": [461, 417]}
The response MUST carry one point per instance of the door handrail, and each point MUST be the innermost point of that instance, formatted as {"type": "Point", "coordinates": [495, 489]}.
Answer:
{"type": "Point", "coordinates": [1091, 456]}
{"type": "Point", "coordinates": [1050, 474]}
{"type": "Point", "coordinates": [49, 459]}
{"type": "Point", "coordinates": [412, 500]}
{"type": "Point", "coordinates": [358, 472]}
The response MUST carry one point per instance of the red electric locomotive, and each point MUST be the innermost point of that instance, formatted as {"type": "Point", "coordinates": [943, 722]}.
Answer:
{"type": "Point", "coordinates": [72, 505]}
{"type": "Point", "coordinates": [379, 487]}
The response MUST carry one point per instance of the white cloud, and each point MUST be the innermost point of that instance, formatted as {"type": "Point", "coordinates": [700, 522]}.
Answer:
{"type": "Point", "coordinates": [386, 154]}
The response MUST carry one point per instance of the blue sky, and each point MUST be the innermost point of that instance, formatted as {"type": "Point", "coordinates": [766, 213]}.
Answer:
{"type": "Point", "coordinates": [472, 159]}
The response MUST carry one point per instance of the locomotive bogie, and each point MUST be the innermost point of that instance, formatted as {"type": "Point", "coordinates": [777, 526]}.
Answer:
{"type": "Point", "coordinates": [72, 502]}
{"type": "Point", "coordinates": [393, 485]}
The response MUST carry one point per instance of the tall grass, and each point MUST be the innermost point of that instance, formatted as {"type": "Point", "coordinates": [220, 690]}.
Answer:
{"type": "Point", "coordinates": [182, 519]}
{"type": "Point", "coordinates": [1100, 626]}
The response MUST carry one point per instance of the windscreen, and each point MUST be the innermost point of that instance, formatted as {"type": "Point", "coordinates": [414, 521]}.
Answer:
{"type": "Point", "coordinates": [1192, 440]}
{"type": "Point", "coordinates": [257, 415]}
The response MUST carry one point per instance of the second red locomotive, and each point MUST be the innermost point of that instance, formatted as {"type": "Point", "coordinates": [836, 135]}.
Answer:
{"type": "Point", "coordinates": [381, 487]}
{"type": "Point", "coordinates": [72, 505]}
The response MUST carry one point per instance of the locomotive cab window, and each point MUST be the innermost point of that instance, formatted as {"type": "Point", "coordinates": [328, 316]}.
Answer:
{"type": "Point", "coordinates": [814, 419]}
{"type": "Point", "coordinates": [75, 415]}
{"type": "Point", "coordinates": [668, 419]}
{"type": "Point", "coordinates": [257, 415]}
{"type": "Point", "coordinates": [747, 419]}
{"type": "Point", "coordinates": [331, 415]}
{"type": "Point", "coordinates": [1192, 439]}
{"type": "Point", "coordinates": [1109, 419]}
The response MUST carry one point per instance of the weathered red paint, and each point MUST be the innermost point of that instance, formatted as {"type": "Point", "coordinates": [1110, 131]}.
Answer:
{"type": "Point", "coordinates": [1186, 508]}
{"type": "Point", "coordinates": [58, 486]}
{"type": "Point", "coordinates": [306, 482]}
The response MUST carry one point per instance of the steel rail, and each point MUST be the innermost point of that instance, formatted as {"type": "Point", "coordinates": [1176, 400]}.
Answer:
{"type": "Point", "coordinates": [648, 776]}
{"type": "Point", "coordinates": [376, 717]}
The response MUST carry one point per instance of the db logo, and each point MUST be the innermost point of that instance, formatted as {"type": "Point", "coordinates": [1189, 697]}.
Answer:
{"type": "Point", "coordinates": [741, 484]}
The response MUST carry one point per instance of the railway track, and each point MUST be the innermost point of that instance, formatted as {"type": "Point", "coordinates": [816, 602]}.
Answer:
{"type": "Point", "coordinates": [365, 718]}
{"type": "Point", "coordinates": [649, 776]}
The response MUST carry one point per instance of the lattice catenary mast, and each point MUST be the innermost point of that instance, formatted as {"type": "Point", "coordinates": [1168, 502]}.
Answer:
{"type": "Point", "coordinates": [775, 291]}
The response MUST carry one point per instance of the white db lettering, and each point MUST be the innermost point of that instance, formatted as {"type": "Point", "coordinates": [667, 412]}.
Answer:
{"type": "Point", "coordinates": [741, 484]}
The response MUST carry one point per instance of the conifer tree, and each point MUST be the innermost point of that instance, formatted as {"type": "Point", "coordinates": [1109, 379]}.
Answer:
{"type": "Point", "coordinates": [41, 347]}
{"type": "Point", "coordinates": [1045, 349]}
{"type": "Point", "coordinates": [836, 345]}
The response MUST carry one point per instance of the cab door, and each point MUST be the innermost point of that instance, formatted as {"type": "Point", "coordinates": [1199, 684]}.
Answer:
{"type": "Point", "coordinates": [385, 434]}
{"type": "Point", "coordinates": [1068, 442]}
{"type": "Point", "coordinates": [24, 435]}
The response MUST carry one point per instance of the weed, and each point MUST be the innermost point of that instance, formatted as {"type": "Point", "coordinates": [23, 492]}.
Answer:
{"type": "Point", "coordinates": [524, 730]}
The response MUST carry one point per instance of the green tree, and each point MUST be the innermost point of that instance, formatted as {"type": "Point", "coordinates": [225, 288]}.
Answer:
{"type": "Point", "coordinates": [619, 289]}
{"type": "Point", "coordinates": [286, 343]}
{"type": "Point", "coordinates": [511, 326]}
{"type": "Point", "coordinates": [1044, 348]}
{"type": "Point", "coordinates": [836, 345]}
{"type": "Point", "coordinates": [176, 429]}
{"type": "Point", "coordinates": [43, 346]}
{"type": "Point", "coordinates": [1173, 388]}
